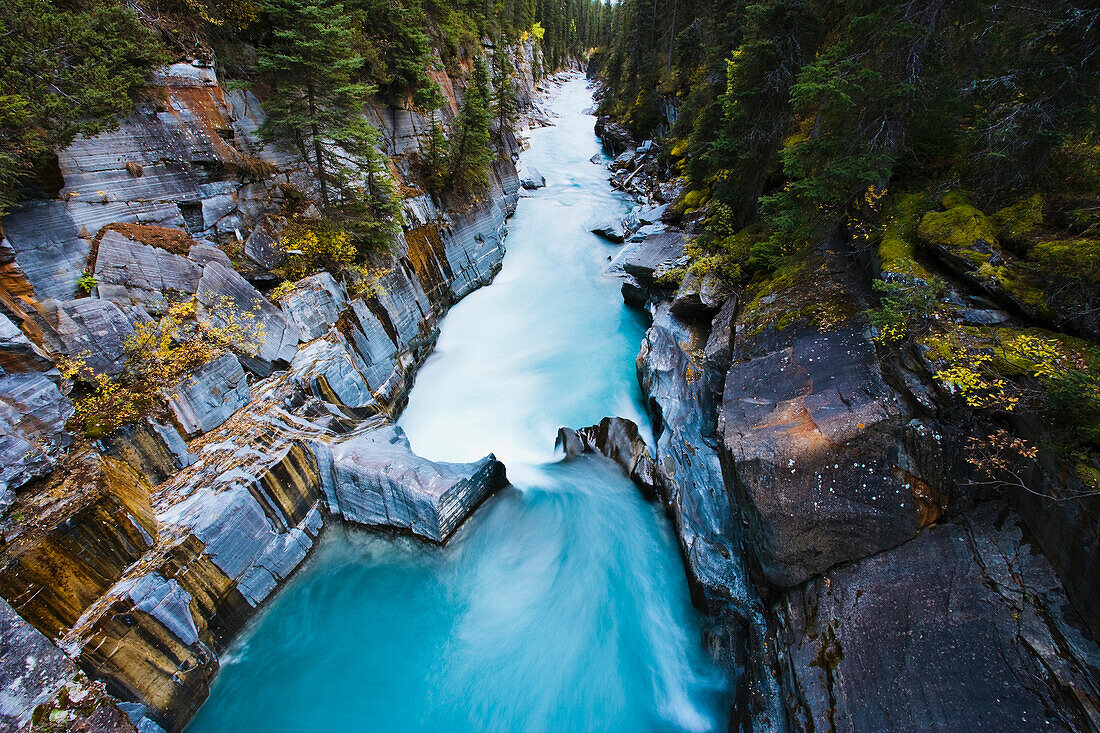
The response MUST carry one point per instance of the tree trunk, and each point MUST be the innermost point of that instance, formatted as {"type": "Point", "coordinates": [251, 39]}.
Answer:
{"type": "Point", "coordinates": [318, 156]}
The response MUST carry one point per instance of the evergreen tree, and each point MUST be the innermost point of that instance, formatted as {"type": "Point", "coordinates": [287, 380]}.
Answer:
{"type": "Point", "coordinates": [504, 95]}
{"type": "Point", "coordinates": [66, 69]}
{"type": "Point", "coordinates": [471, 151]}
{"type": "Point", "coordinates": [317, 102]}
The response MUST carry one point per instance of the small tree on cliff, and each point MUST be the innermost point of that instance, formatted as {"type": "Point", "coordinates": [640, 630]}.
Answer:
{"type": "Point", "coordinates": [504, 93]}
{"type": "Point", "coordinates": [317, 102]}
{"type": "Point", "coordinates": [471, 151]}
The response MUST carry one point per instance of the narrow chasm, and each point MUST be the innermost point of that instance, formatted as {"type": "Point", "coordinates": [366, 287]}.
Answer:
{"type": "Point", "coordinates": [562, 603]}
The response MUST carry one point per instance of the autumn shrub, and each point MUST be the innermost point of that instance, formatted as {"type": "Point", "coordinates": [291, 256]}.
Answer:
{"type": "Point", "coordinates": [158, 356]}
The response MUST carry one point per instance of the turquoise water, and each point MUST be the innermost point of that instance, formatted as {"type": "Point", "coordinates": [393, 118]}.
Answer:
{"type": "Point", "coordinates": [561, 605]}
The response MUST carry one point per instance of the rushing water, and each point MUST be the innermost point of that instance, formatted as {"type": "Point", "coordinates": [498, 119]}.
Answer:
{"type": "Point", "coordinates": [561, 605]}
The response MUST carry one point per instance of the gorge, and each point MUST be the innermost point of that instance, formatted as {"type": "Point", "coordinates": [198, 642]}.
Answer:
{"type": "Point", "coordinates": [549, 365]}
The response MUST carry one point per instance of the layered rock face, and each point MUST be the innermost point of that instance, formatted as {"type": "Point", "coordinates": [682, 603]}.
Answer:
{"type": "Point", "coordinates": [138, 557]}
{"type": "Point", "coordinates": [830, 518]}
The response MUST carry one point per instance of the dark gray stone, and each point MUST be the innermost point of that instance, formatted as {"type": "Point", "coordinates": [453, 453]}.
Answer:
{"type": "Point", "coordinates": [963, 628]}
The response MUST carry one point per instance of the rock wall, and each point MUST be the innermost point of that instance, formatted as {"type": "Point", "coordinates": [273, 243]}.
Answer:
{"type": "Point", "coordinates": [854, 576]}
{"type": "Point", "coordinates": [141, 555]}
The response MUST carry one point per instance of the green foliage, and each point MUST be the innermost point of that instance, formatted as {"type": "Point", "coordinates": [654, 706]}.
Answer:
{"type": "Point", "coordinates": [316, 247]}
{"type": "Point", "coordinates": [316, 101]}
{"type": "Point", "coordinates": [905, 308]}
{"type": "Point", "coordinates": [66, 69]}
{"type": "Point", "coordinates": [471, 152]}
{"type": "Point", "coordinates": [504, 95]}
{"type": "Point", "coordinates": [86, 282]}
{"type": "Point", "coordinates": [158, 357]}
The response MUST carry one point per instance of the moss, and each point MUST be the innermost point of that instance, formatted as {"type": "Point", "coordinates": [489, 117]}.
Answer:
{"type": "Point", "coordinates": [958, 228]}
{"type": "Point", "coordinates": [896, 251]}
{"type": "Point", "coordinates": [955, 198]}
{"type": "Point", "coordinates": [1088, 475]}
{"type": "Point", "coordinates": [1015, 221]}
{"type": "Point", "coordinates": [692, 200]}
{"type": "Point", "coordinates": [1071, 259]}
{"type": "Point", "coordinates": [802, 291]}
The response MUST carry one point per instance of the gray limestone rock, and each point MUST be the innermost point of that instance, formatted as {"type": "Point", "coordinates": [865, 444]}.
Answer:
{"type": "Point", "coordinates": [532, 179]}
{"type": "Point", "coordinates": [33, 413]}
{"type": "Point", "coordinates": [17, 352]}
{"type": "Point", "coordinates": [261, 247]}
{"type": "Point", "coordinates": [649, 259]}
{"type": "Point", "coordinates": [381, 482]}
{"type": "Point", "coordinates": [223, 286]}
{"type": "Point", "coordinates": [87, 328]}
{"type": "Point", "coordinates": [207, 398]}
{"type": "Point", "coordinates": [332, 372]}
{"type": "Point", "coordinates": [700, 296]}
{"type": "Point", "coordinates": [131, 273]}
{"type": "Point", "coordinates": [315, 304]}
{"type": "Point", "coordinates": [612, 231]}
{"type": "Point", "coordinates": [32, 669]}
{"type": "Point", "coordinates": [965, 627]}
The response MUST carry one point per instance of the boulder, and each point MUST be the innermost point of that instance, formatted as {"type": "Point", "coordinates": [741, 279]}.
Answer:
{"type": "Point", "coordinates": [647, 260]}
{"type": "Point", "coordinates": [963, 628]}
{"type": "Point", "coordinates": [262, 248]}
{"type": "Point", "coordinates": [207, 398]}
{"type": "Point", "coordinates": [223, 287]}
{"type": "Point", "coordinates": [532, 179]}
{"type": "Point", "coordinates": [618, 439]}
{"type": "Point", "coordinates": [128, 272]}
{"type": "Point", "coordinates": [331, 371]}
{"type": "Point", "coordinates": [315, 304]}
{"type": "Point", "coordinates": [700, 296]}
{"type": "Point", "coordinates": [380, 482]}
{"type": "Point", "coordinates": [90, 329]}
{"type": "Point", "coordinates": [810, 446]}
{"type": "Point", "coordinates": [612, 231]}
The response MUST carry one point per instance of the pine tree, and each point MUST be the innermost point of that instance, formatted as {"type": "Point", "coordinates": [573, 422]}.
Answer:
{"type": "Point", "coordinates": [504, 94]}
{"type": "Point", "coordinates": [471, 152]}
{"type": "Point", "coordinates": [316, 100]}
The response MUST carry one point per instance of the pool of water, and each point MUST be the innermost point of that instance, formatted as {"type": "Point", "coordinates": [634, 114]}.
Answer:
{"type": "Point", "coordinates": [561, 605]}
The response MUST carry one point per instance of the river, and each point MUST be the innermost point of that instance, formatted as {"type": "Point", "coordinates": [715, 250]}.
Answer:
{"type": "Point", "coordinates": [561, 605]}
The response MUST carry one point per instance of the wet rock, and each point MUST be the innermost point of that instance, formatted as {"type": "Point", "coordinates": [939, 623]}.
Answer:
{"type": "Point", "coordinates": [154, 450]}
{"type": "Point", "coordinates": [87, 329]}
{"type": "Point", "coordinates": [810, 448]}
{"type": "Point", "coordinates": [17, 352]}
{"type": "Point", "coordinates": [82, 529]}
{"type": "Point", "coordinates": [647, 260]}
{"type": "Point", "coordinates": [262, 248]}
{"type": "Point", "coordinates": [223, 286]}
{"type": "Point", "coordinates": [315, 304]}
{"type": "Point", "coordinates": [33, 413]}
{"type": "Point", "coordinates": [32, 669]}
{"type": "Point", "coordinates": [868, 642]}
{"type": "Point", "coordinates": [615, 138]}
{"type": "Point", "coordinates": [673, 372]}
{"type": "Point", "coordinates": [615, 438]}
{"type": "Point", "coordinates": [700, 297]}
{"type": "Point", "coordinates": [380, 482]}
{"type": "Point", "coordinates": [532, 179]}
{"type": "Point", "coordinates": [207, 398]}
{"type": "Point", "coordinates": [131, 273]}
{"type": "Point", "coordinates": [596, 159]}
{"type": "Point", "coordinates": [331, 371]}
{"type": "Point", "coordinates": [612, 231]}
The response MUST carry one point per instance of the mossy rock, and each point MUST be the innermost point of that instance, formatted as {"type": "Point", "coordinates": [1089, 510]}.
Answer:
{"type": "Point", "coordinates": [1016, 221]}
{"type": "Point", "coordinates": [960, 229]}
{"type": "Point", "coordinates": [1070, 259]}
{"type": "Point", "coordinates": [692, 200]}
{"type": "Point", "coordinates": [897, 251]}
{"type": "Point", "coordinates": [802, 292]}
